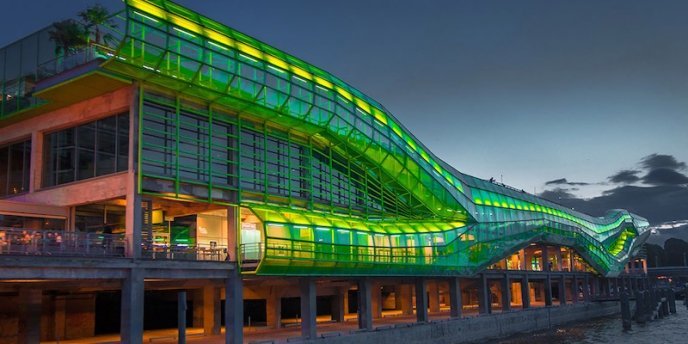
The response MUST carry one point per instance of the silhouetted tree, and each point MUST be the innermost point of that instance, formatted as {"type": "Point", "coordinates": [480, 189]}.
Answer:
{"type": "Point", "coordinates": [69, 36]}
{"type": "Point", "coordinates": [94, 18]}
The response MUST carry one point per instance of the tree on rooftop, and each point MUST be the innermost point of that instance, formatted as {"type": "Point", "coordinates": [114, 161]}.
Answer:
{"type": "Point", "coordinates": [94, 18]}
{"type": "Point", "coordinates": [69, 36]}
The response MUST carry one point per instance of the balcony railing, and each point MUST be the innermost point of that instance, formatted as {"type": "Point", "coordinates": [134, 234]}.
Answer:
{"type": "Point", "coordinates": [16, 241]}
{"type": "Point", "coordinates": [184, 252]}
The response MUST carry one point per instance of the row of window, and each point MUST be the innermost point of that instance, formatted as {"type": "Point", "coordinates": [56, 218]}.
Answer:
{"type": "Point", "coordinates": [183, 144]}
{"type": "Point", "coordinates": [86, 151]}
{"type": "Point", "coordinates": [93, 149]}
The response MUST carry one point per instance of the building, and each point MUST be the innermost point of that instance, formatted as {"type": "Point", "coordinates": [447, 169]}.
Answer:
{"type": "Point", "coordinates": [183, 155]}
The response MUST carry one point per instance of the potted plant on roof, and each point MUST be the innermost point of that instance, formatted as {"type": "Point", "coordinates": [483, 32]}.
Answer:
{"type": "Point", "coordinates": [94, 19]}
{"type": "Point", "coordinates": [69, 37]}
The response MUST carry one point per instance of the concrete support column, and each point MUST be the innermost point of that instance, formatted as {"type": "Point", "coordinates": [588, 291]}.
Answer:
{"type": "Point", "coordinates": [455, 304]}
{"type": "Point", "coordinates": [548, 290]}
{"type": "Point", "coordinates": [406, 299]}
{"type": "Point", "coordinates": [133, 222]}
{"type": "Point", "coordinates": [586, 288]}
{"type": "Point", "coordinates": [29, 326]}
{"type": "Point", "coordinates": [562, 291]}
{"type": "Point", "coordinates": [234, 309]}
{"type": "Point", "coordinates": [365, 314]}
{"type": "Point", "coordinates": [60, 317]}
{"type": "Point", "coordinates": [131, 321]}
{"type": "Point", "coordinates": [522, 259]}
{"type": "Point", "coordinates": [308, 308]}
{"type": "Point", "coordinates": [574, 289]}
{"type": "Point", "coordinates": [506, 293]}
{"type": "Point", "coordinates": [421, 300]}
{"type": "Point", "coordinates": [197, 304]}
{"type": "Point", "coordinates": [338, 301]}
{"type": "Point", "coordinates": [434, 296]}
{"type": "Point", "coordinates": [376, 300]}
{"type": "Point", "coordinates": [525, 292]}
{"type": "Point", "coordinates": [211, 310]}
{"type": "Point", "coordinates": [181, 317]}
{"type": "Point", "coordinates": [484, 295]}
{"type": "Point", "coordinates": [232, 232]}
{"type": "Point", "coordinates": [273, 309]}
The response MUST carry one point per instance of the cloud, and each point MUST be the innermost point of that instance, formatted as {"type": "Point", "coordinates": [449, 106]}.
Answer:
{"type": "Point", "coordinates": [662, 196]}
{"type": "Point", "coordinates": [563, 181]}
{"type": "Point", "coordinates": [625, 177]}
{"type": "Point", "coordinates": [656, 203]}
{"type": "Point", "coordinates": [664, 176]}
{"type": "Point", "coordinates": [557, 195]}
{"type": "Point", "coordinates": [655, 161]}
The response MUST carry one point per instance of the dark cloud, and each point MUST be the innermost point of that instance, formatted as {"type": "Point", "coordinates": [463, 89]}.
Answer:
{"type": "Point", "coordinates": [557, 194]}
{"type": "Point", "coordinates": [664, 176]}
{"type": "Point", "coordinates": [625, 177]}
{"type": "Point", "coordinates": [656, 161]}
{"type": "Point", "coordinates": [563, 181]}
{"type": "Point", "coordinates": [656, 203]}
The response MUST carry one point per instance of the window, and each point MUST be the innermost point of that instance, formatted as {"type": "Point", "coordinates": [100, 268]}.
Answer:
{"type": "Point", "coordinates": [14, 168]}
{"type": "Point", "coordinates": [93, 149]}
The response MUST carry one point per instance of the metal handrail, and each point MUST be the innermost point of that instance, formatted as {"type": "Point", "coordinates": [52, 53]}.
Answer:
{"type": "Point", "coordinates": [21, 241]}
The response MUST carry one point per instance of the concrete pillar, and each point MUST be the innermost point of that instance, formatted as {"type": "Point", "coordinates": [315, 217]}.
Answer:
{"type": "Point", "coordinates": [586, 288]}
{"type": "Point", "coordinates": [308, 308]}
{"type": "Point", "coordinates": [548, 289]}
{"type": "Point", "coordinates": [211, 310]}
{"type": "Point", "coordinates": [133, 223]}
{"type": "Point", "coordinates": [197, 304]}
{"type": "Point", "coordinates": [545, 258]}
{"type": "Point", "coordinates": [406, 299]}
{"type": "Point", "coordinates": [421, 300]}
{"type": "Point", "coordinates": [131, 323]}
{"type": "Point", "coordinates": [60, 317]}
{"type": "Point", "coordinates": [181, 317]}
{"type": "Point", "coordinates": [574, 289]}
{"type": "Point", "coordinates": [484, 295]}
{"type": "Point", "coordinates": [133, 212]}
{"type": "Point", "coordinates": [234, 309]}
{"type": "Point", "coordinates": [434, 296]}
{"type": "Point", "coordinates": [376, 300]}
{"type": "Point", "coordinates": [365, 314]}
{"type": "Point", "coordinates": [29, 325]}
{"type": "Point", "coordinates": [506, 293]}
{"type": "Point", "coordinates": [232, 232]}
{"type": "Point", "coordinates": [338, 304]}
{"type": "Point", "coordinates": [273, 309]}
{"type": "Point", "coordinates": [525, 291]}
{"type": "Point", "coordinates": [455, 304]}
{"type": "Point", "coordinates": [562, 291]}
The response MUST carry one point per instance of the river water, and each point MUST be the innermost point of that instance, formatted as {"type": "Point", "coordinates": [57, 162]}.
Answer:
{"type": "Point", "coordinates": [672, 329]}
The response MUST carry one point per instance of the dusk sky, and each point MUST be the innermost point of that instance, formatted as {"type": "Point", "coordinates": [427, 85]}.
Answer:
{"type": "Point", "coordinates": [536, 91]}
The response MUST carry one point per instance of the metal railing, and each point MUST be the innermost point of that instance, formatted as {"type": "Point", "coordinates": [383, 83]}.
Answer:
{"type": "Point", "coordinates": [16, 241]}
{"type": "Point", "coordinates": [251, 252]}
{"type": "Point", "coordinates": [184, 252]}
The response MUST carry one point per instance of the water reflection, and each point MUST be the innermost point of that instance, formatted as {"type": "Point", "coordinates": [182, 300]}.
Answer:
{"type": "Point", "coordinates": [671, 329]}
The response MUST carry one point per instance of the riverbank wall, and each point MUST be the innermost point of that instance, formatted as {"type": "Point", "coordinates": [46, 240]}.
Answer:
{"type": "Point", "coordinates": [479, 328]}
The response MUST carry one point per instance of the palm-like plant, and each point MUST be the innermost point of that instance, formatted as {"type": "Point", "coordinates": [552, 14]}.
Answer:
{"type": "Point", "coordinates": [69, 36]}
{"type": "Point", "coordinates": [94, 18]}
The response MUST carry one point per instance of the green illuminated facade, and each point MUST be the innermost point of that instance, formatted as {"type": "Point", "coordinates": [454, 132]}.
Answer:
{"type": "Point", "coordinates": [339, 185]}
